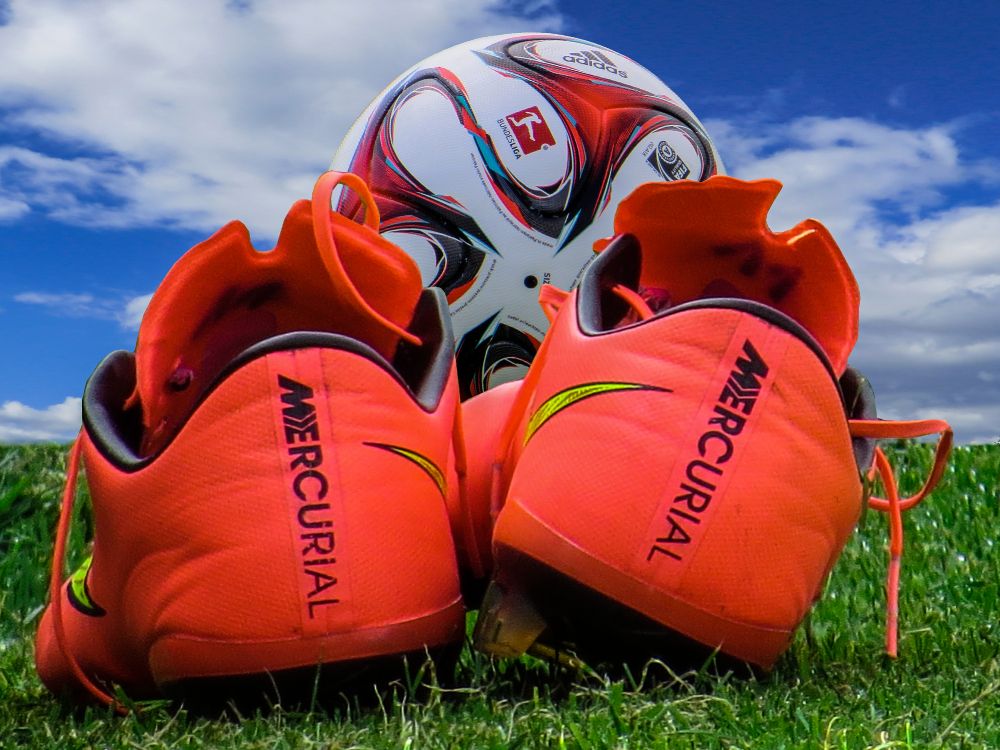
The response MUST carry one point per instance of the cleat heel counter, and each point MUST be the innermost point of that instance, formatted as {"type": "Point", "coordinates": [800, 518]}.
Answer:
{"type": "Point", "coordinates": [715, 503]}
{"type": "Point", "coordinates": [296, 537]}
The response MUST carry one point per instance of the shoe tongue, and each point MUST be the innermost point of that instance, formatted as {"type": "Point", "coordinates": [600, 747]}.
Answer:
{"type": "Point", "coordinates": [223, 296]}
{"type": "Point", "coordinates": [711, 239]}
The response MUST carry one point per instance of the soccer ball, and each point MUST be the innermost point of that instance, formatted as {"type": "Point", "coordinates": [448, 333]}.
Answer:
{"type": "Point", "coordinates": [497, 163]}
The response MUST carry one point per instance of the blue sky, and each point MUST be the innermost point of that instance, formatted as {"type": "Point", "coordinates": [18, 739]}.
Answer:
{"type": "Point", "coordinates": [131, 130]}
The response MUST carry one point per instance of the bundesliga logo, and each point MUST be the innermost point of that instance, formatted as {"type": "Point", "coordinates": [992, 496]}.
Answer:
{"type": "Point", "coordinates": [530, 131]}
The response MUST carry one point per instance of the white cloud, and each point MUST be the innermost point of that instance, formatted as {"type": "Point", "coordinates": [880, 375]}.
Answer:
{"type": "Point", "coordinates": [200, 111]}
{"type": "Point", "coordinates": [23, 424]}
{"type": "Point", "coordinates": [931, 349]}
{"type": "Point", "coordinates": [11, 209]}
{"type": "Point", "coordinates": [963, 239]}
{"type": "Point", "coordinates": [841, 170]}
{"type": "Point", "coordinates": [131, 316]}
{"type": "Point", "coordinates": [127, 311]}
{"type": "Point", "coordinates": [974, 422]}
{"type": "Point", "coordinates": [69, 304]}
{"type": "Point", "coordinates": [66, 188]}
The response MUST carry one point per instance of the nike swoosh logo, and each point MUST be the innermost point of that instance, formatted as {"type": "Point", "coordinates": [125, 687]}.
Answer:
{"type": "Point", "coordinates": [428, 466]}
{"type": "Point", "coordinates": [573, 395]}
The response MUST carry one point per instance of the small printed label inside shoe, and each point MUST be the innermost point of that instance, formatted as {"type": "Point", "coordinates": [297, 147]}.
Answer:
{"type": "Point", "coordinates": [710, 453]}
{"type": "Point", "coordinates": [313, 517]}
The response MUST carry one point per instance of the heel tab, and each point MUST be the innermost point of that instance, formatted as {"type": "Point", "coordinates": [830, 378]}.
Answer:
{"type": "Point", "coordinates": [703, 238]}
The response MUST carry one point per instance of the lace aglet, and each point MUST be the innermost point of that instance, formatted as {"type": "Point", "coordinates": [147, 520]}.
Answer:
{"type": "Point", "coordinates": [892, 607]}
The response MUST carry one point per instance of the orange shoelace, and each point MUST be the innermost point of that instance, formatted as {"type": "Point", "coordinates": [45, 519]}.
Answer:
{"type": "Point", "coordinates": [892, 504]}
{"type": "Point", "coordinates": [322, 216]}
{"type": "Point", "coordinates": [57, 580]}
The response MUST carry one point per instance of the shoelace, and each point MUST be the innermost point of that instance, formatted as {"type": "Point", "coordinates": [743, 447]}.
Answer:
{"type": "Point", "coordinates": [892, 504]}
{"type": "Point", "coordinates": [551, 300]}
{"type": "Point", "coordinates": [323, 231]}
{"type": "Point", "coordinates": [57, 580]}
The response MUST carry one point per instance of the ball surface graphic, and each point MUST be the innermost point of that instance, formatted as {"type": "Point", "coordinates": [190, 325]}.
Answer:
{"type": "Point", "coordinates": [497, 163]}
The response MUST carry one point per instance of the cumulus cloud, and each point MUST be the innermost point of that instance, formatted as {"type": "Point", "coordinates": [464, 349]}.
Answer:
{"type": "Point", "coordinates": [194, 112]}
{"type": "Point", "coordinates": [846, 171]}
{"type": "Point", "coordinates": [963, 239]}
{"type": "Point", "coordinates": [11, 209]}
{"type": "Point", "coordinates": [929, 270]}
{"type": "Point", "coordinates": [23, 424]}
{"type": "Point", "coordinates": [82, 190]}
{"type": "Point", "coordinates": [131, 315]}
{"type": "Point", "coordinates": [127, 311]}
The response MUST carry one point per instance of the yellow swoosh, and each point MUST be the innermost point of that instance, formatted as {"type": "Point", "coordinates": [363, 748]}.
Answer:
{"type": "Point", "coordinates": [566, 398]}
{"type": "Point", "coordinates": [78, 594]}
{"type": "Point", "coordinates": [436, 475]}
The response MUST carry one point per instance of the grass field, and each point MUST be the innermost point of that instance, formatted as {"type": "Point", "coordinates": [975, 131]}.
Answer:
{"type": "Point", "coordinates": [833, 689]}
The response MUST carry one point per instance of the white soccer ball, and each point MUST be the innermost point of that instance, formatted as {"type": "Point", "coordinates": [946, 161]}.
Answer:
{"type": "Point", "coordinates": [497, 163]}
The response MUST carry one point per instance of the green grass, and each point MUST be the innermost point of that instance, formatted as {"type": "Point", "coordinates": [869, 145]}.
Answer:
{"type": "Point", "coordinates": [833, 689]}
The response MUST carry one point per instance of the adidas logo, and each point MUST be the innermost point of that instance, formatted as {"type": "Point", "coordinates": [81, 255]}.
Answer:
{"type": "Point", "coordinates": [597, 60]}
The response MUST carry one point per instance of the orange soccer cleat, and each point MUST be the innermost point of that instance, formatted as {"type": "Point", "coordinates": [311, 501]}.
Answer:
{"type": "Point", "coordinates": [687, 455]}
{"type": "Point", "coordinates": [270, 472]}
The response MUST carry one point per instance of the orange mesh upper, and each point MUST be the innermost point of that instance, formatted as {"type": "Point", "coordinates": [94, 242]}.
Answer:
{"type": "Point", "coordinates": [230, 554]}
{"type": "Point", "coordinates": [611, 476]}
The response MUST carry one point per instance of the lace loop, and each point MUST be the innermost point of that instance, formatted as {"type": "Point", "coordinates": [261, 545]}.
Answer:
{"type": "Point", "coordinates": [323, 230]}
{"type": "Point", "coordinates": [892, 504]}
{"type": "Point", "coordinates": [551, 299]}
{"type": "Point", "coordinates": [634, 300]}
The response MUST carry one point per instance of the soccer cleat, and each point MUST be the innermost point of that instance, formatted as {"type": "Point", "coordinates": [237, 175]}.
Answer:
{"type": "Point", "coordinates": [689, 451]}
{"type": "Point", "coordinates": [484, 415]}
{"type": "Point", "coordinates": [270, 472]}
